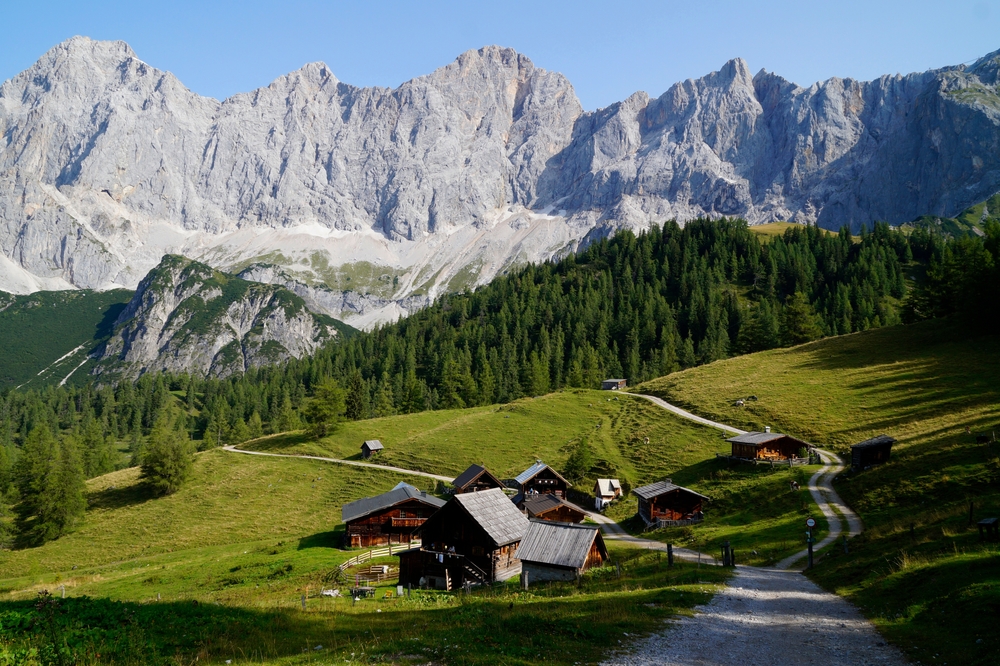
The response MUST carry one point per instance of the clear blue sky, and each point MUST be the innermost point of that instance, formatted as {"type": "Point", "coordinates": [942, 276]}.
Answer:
{"type": "Point", "coordinates": [608, 49]}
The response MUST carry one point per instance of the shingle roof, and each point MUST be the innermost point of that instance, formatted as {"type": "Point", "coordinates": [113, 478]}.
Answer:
{"type": "Point", "coordinates": [401, 493]}
{"type": "Point", "coordinates": [535, 470]}
{"type": "Point", "coordinates": [608, 486]}
{"type": "Point", "coordinates": [471, 474]}
{"type": "Point", "coordinates": [874, 441]}
{"type": "Point", "coordinates": [538, 504]}
{"type": "Point", "coordinates": [661, 488]}
{"type": "Point", "coordinates": [755, 437]}
{"type": "Point", "coordinates": [496, 514]}
{"type": "Point", "coordinates": [372, 444]}
{"type": "Point", "coordinates": [557, 544]}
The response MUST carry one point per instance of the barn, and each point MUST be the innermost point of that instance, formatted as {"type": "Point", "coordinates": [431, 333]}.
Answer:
{"type": "Point", "coordinates": [550, 507]}
{"type": "Point", "coordinates": [560, 551]}
{"type": "Point", "coordinates": [874, 451]}
{"type": "Point", "coordinates": [614, 384]}
{"type": "Point", "coordinates": [370, 448]}
{"type": "Point", "coordinates": [540, 479]}
{"type": "Point", "coordinates": [664, 503]}
{"type": "Point", "coordinates": [766, 445]}
{"type": "Point", "coordinates": [474, 479]}
{"type": "Point", "coordinates": [387, 518]}
{"type": "Point", "coordinates": [472, 539]}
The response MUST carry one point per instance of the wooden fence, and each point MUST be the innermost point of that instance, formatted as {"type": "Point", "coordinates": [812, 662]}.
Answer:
{"type": "Point", "coordinates": [809, 460]}
{"type": "Point", "coordinates": [379, 552]}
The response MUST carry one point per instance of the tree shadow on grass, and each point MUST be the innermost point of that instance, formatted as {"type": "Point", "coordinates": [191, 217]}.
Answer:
{"type": "Point", "coordinates": [332, 539]}
{"type": "Point", "coordinates": [275, 443]}
{"type": "Point", "coordinates": [115, 497]}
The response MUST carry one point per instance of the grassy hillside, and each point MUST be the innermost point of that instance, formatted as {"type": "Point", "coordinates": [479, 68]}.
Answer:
{"type": "Point", "coordinates": [217, 572]}
{"type": "Point", "coordinates": [919, 570]}
{"type": "Point", "coordinates": [970, 221]}
{"type": "Point", "coordinates": [39, 329]}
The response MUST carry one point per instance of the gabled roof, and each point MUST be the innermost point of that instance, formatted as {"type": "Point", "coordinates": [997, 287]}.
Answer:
{"type": "Point", "coordinates": [661, 488]}
{"type": "Point", "coordinates": [372, 444]}
{"type": "Point", "coordinates": [874, 441]}
{"type": "Point", "coordinates": [559, 544]}
{"type": "Point", "coordinates": [536, 505]}
{"type": "Point", "coordinates": [401, 493]}
{"type": "Point", "coordinates": [608, 486]}
{"type": "Point", "coordinates": [614, 380]}
{"type": "Point", "coordinates": [535, 470]}
{"type": "Point", "coordinates": [473, 473]}
{"type": "Point", "coordinates": [496, 514]}
{"type": "Point", "coordinates": [756, 437]}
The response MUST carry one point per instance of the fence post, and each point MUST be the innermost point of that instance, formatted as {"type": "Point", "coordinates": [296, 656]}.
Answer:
{"type": "Point", "coordinates": [670, 555]}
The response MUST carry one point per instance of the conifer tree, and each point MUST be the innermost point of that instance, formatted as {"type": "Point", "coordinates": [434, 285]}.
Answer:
{"type": "Point", "coordinates": [325, 409]}
{"type": "Point", "coordinates": [167, 457]}
{"type": "Point", "coordinates": [799, 321]}
{"type": "Point", "coordinates": [51, 484]}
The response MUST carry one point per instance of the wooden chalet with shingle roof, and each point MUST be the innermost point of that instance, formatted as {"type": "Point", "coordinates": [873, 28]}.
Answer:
{"type": "Point", "coordinates": [665, 503]}
{"type": "Point", "coordinates": [370, 447]}
{"type": "Point", "coordinates": [550, 507]}
{"type": "Point", "coordinates": [540, 479]}
{"type": "Point", "coordinates": [472, 539]}
{"type": "Point", "coordinates": [605, 492]}
{"type": "Point", "coordinates": [766, 445]}
{"type": "Point", "coordinates": [387, 518]}
{"type": "Point", "coordinates": [474, 479]}
{"type": "Point", "coordinates": [874, 451]}
{"type": "Point", "coordinates": [560, 551]}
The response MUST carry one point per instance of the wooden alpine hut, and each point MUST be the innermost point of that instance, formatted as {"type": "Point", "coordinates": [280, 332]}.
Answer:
{"type": "Point", "coordinates": [614, 384]}
{"type": "Point", "coordinates": [540, 479]}
{"type": "Point", "coordinates": [560, 551]}
{"type": "Point", "coordinates": [874, 451]}
{"type": "Point", "coordinates": [370, 448]}
{"type": "Point", "coordinates": [387, 518]}
{"type": "Point", "coordinates": [474, 479]}
{"type": "Point", "coordinates": [472, 539]}
{"type": "Point", "coordinates": [550, 507]}
{"type": "Point", "coordinates": [766, 445]}
{"type": "Point", "coordinates": [605, 492]}
{"type": "Point", "coordinates": [665, 503]}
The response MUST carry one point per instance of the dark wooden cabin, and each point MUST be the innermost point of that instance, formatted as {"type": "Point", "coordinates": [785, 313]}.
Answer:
{"type": "Point", "coordinates": [472, 539]}
{"type": "Point", "coordinates": [550, 507]}
{"type": "Point", "coordinates": [874, 451]}
{"type": "Point", "coordinates": [766, 446]}
{"type": "Point", "coordinates": [614, 384]}
{"type": "Point", "coordinates": [540, 479]}
{"type": "Point", "coordinates": [474, 479]}
{"type": "Point", "coordinates": [665, 500]}
{"type": "Point", "coordinates": [387, 518]}
{"type": "Point", "coordinates": [560, 551]}
{"type": "Point", "coordinates": [370, 448]}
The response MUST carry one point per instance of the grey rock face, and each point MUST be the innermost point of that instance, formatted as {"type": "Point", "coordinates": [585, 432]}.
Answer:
{"type": "Point", "coordinates": [187, 317]}
{"type": "Point", "coordinates": [106, 163]}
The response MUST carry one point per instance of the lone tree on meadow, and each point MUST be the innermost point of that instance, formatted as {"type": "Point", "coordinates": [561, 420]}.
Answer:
{"type": "Point", "coordinates": [50, 479]}
{"type": "Point", "coordinates": [167, 459]}
{"type": "Point", "coordinates": [325, 409]}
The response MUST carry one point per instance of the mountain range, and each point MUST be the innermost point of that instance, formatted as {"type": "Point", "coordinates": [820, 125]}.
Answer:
{"type": "Point", "coordinates": [369, 202]}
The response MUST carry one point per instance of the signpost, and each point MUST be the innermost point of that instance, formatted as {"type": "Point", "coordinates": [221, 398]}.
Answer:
{"type": "Point", "coordinates": [810, 524]}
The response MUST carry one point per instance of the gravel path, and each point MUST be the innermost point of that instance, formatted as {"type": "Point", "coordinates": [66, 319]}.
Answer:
{"type": "Point", "coordinates": [614, 531]}
{"type": "Point", "coordinates": [686, 414]}
{"type": "Point", "coordinates": [353, 463]}
{"type": "Point", "coordinates": [766, 617]}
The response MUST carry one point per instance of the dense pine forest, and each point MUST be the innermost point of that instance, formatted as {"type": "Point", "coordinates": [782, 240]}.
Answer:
{"type": "Point", "coordinates": [630, 306]}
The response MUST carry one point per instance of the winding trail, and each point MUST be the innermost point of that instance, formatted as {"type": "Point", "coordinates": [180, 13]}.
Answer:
{"type": "Point", "coordinates": [354, 463]}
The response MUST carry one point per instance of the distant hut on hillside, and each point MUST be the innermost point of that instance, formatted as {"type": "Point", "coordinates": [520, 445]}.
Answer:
{"type": "Point", "coordinates": [472, 539]}
{"type": "Point", "coordinates": [874, 451]}
{"type": "Point", "coordinates": [387, 518]}
{"type": "Point", "coordinates": [560, 551]}
{"type": "Point", "coordinates": [766, 445]}
{"type": "Point", "coordinates": [614, 384]}
{"type": "Point", "coordinates": [370, 448]}
{"type": "Point", "coordinates": [605, 492]}
{"type": "Point", "coordinates": [552, 508]}
{"type": "Point", "coordinates": [540, 479]}
{"type": "Point", "coordinates": [665, 503]}
{"type": "Point", "coordinates": [474, 479]}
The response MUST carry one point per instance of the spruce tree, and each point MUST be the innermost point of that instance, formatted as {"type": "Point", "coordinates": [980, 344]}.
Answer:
{"type": "Point", "coordinates": [325, 409]}
{"type": "Point", "coordinates": [50, 479]}
{"type": "Point", "coordinates": [799, 321]}
{"type": "Point", "coordinates": [167, 457]}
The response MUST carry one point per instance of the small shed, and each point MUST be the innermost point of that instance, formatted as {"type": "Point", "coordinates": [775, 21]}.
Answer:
{"type": "Point", "coordinates": [560, 551]}
{"type": "Point", "coordinates": [614, 384]}
{"type": "Point", "coordinates": [874, 451]}
{"type": "Point", "coordinates": [474, 479]}
{"type": "Point", "coordinates": [540, 479]}
{"type": "Point", "coordinates": [605, 492]}
{"type": "Point", "coordinates": [766, 445]}
{"type": "Point", "coordinates": [370, 448]}
{"type": "Point", "coordinates": [472, 539]}
{"type": "Point", "coordinates": [387, 518]}
{"type": "Point", "coordinates": [552, 508]}
{"type": "Point", "coordinates": [666, 501]}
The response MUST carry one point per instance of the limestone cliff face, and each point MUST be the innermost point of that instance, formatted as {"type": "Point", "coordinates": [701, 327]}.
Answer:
{"type": "Point", "coordinates": [107, 163]}
{"type": "Point", "coordinates": [187, 317]}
